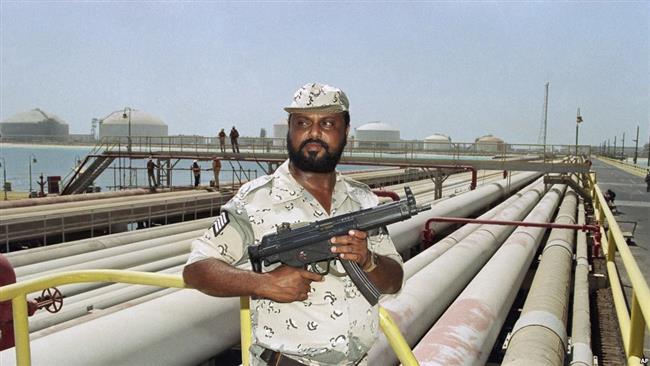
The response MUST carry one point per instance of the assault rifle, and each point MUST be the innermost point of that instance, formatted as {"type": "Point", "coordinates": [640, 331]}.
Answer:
{"type": "Point", "coordinates": [310, 244]}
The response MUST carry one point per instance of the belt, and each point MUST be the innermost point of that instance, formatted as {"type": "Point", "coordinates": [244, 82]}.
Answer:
{"type": "Point", "coordinates": [274, 358]}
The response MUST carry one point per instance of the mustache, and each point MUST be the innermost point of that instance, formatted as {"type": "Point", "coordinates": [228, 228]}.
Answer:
{"type": "Point", "coordinates": [314, 141]}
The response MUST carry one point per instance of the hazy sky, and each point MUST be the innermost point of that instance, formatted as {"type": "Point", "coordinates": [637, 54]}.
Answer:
{"type": "Point", "coordinates": [461, 68]}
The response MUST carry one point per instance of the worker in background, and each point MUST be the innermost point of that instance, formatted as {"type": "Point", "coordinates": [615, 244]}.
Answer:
{"type": "Point", "coordinates": [301, 317]}
{"type": "Point", "coordinates": [234, 135]}
{"type": "Point", "coordinates": [196, 170]}
{"type": "Point", "coordinates": [222, 140]}
{"type": "Point", "coordinates": [216, 168]}
{"type": "Point", "coordinates": [151, 173]}
{"type": "Point", "coordinates": [647, 181]}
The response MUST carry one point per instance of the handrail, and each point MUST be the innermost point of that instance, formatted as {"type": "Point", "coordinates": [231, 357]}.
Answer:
{"type": "Point", "coordinates": [633, 324]}
{"type": "Point", "coordinates": [628, 167]}
{"type": "Point", "coordinates": [17, 293]}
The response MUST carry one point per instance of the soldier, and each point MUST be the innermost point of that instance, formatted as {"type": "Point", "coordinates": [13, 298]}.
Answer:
{"type": "Point", "coordinates": [234, 135]}
{"type": "Point", "coordinates": [196, 171]}
{"type": "Point", "coordinates": [222, 140]}
{"type": "Point", "coordinates": [151, 174]}
{"type": "Point", "coordinates": [216, 168]}
{"type": "Point", "coordinates": [300, 317]}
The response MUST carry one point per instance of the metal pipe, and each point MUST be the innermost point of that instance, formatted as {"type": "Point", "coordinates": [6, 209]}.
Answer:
{"type": "Point", "coordinates": [66, 263]}
{"type": "Point", "coordinates": [426, 295]}
{"type": "Point", "coordinates": [183, 328]}
{"type": "Point", "coordinates": [427, 256]}
{"type": "Point", "coordinates": [581, 325]}
{"type": "Point", "coordinates": [43, 254]}
{"type": "Point", "coordinates": [539, 335]}
{"type": "Point", "coordinates": [465, 333]}
{"type": "Point", "coordinates": [404, 235]}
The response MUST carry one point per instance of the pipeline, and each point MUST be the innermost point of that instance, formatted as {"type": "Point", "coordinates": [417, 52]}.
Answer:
{"type": "Point", "coordinates": [142, 332]}
{"type": "Point", "coordinates": [466, 332]}
{"type": "Point", "coordinates": [429, 292]}
{"type": "Point", "coordinates": [539, 336]}
{"type": "Point", "coordinates": [581, 325]}
{"type": "Point", "coordinates": [44, 254]}
{"type": "Point", "coordinates": [427, 256]}
{"type": "Point", "coordinates": [464, 205]}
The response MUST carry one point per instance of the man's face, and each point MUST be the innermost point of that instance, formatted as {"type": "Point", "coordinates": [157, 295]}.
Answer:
{"type": "Point", "coordinates": [316, 140]}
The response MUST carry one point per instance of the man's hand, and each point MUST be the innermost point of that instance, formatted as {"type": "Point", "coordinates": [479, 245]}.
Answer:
{"type": "Point", "coordinates": [287, 284]}
{"type": "Point", "coordinates": [353, 247]}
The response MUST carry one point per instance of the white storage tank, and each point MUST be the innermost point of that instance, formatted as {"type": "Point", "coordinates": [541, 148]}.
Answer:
{"type": "Point", "coordinates": [437, 142]}
{"type": "Point", "coordinates": [280, 131]}
{"type": "Point", "coordinates": [142, 124]}
{"type": "Point", "coordinates": [34, 123]}
{"type": "Point", "coordinates": [377, 134]}
{"type": "Point", "coordinates": [489, 143]}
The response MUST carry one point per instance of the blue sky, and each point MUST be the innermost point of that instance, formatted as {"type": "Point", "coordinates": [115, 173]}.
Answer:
{"type": "Point", "coordinates": [465, 69]}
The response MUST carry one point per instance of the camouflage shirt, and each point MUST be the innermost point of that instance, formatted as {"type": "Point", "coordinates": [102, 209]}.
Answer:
{"type": "Point", "coordinates": [335, 325]}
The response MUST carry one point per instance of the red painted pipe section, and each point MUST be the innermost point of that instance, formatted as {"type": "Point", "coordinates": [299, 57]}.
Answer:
{"type": "Point", "coordinates": [7, 277]}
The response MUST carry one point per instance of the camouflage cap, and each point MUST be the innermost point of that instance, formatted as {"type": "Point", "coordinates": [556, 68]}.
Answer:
{"type": "Point", "coordinates": [318, 97]}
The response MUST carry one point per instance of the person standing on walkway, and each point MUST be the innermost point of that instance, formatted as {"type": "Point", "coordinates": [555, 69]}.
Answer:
{"type": "Point", "coordinates": [222, 140]}
{"type": "Point", "coordinates": [234, 135]}
{"type": "Point", "coordinates": [196, 170]}
{"type": "Point", "coordinates": [216, 168]}
{"type": "Point", "coordinates": [151, 173]}
{"type": "Point", "coordinates": [647, 181]}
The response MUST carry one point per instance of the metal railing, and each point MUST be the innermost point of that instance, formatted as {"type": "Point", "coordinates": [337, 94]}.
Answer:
{"type": "Point", "coordinates": [633, 322]}
{"type": "Point", "coordinates": [628, 167]}
{"type": "Point", "coordinates": [18, 292]}
{"type": "Point", "coordinates": [409, 148]}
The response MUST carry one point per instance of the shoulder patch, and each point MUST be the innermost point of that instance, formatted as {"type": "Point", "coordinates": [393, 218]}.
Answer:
{"type": "Point", "coordinates": [220, 223]}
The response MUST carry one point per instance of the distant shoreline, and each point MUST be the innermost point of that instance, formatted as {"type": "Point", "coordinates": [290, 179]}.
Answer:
{"type": "Point", "coordinates": [66, 145]}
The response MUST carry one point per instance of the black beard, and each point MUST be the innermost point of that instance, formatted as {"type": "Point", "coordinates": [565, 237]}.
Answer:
{"type": "Point", "coordinates": [310, 162]}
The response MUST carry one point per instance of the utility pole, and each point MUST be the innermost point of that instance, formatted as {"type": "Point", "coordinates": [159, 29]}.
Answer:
{"type": "Point", "coordinates": [614, 155]}
{"type": "Point", "coordinates": [636, 145]}
{"type": "Point", "coordinates": [623, 147]}
{"type": "Point", "coordinates": [578, 120]}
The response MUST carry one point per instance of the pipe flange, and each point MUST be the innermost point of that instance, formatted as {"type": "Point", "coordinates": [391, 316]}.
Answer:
{"type": "Point", "coordinates": [543, 319]}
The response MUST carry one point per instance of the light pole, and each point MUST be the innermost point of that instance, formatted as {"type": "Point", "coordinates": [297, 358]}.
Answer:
{"type": "Point", "coordinates": [636, 146]}
{"type": "Point", "coordinates": [128, 147]}
{"type": "Point", "coordinates": [578, 120]}
{"type": "Point", "coordinates": [32, 159]}
{"type": "Point", "coordinates": [125, 116]}
{"type": "Point", "coordinates": [4, 176]}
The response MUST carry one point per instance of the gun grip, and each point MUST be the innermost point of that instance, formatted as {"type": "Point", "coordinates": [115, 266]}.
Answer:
{"type": "Point", "coordinates": [361, 280]}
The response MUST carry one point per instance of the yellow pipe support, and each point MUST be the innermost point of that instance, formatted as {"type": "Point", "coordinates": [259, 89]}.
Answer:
{"type": "Point", "coordinates": [21, 330]}
{"type": "Point", "coordinates": [245, 329]}
{"type": "Point", "coordinates": [637, 330]}
{"type": "Point", "coordinates": [619, 303]}
{"type": "Point", "coordinates": [632, 326]}
{"type": "Point", "coordinates": [396, 340]}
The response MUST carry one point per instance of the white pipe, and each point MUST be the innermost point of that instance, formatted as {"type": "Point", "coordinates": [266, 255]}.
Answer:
{"type": "Point", "coordinates": [581, 326]}
{"type": "Point", "coordinates": [68, 262]}
{"type": "Point", "coordinates": [539, 335]}
{"type": "Point", "coordinates": [184, 328]}
{"type": "Point", "coordinates": [42, 254]}
{"type": "Point", "coordinates": [427, 293]}
{"type": "Point", "coordinates": [465, 333]}
{"type": "Point", "coordinates": [463, 205]}
{"type": "Point", "coordinates": [430, 254]}
{"type": "Point", "coordinates": [94, 300]}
